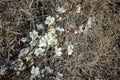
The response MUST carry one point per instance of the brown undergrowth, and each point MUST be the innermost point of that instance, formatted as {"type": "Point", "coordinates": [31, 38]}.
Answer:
{"type": "Point", "coordinates": [96, 54]}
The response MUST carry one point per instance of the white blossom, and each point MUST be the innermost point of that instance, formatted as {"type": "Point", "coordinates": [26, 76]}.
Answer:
{"type": "Point", "coordinates": [35, 71]}
{"type": "Point", "coordinates": [48, 69]}
{"type": "Point", "coordinates": [86, 30]}
{"type": "Point", "coordinates": [52, 30]}
{"type": "Point", "coordinates": [75, 32]}
{"type": "Point", "coordinates": [59, 18]}
{"type": "Point", "coordinates": [28, 57]}
{"type": "Point", "coordinates": [33, 34]}
{"type": "Point", "coordinates": [89, 23]}
{"type": "Point", "coordinates": [42, 42]}
{"type": "Point", "coordinates": [70, 49]}
{"type": "Point", "coordinates": [81, 28]}
{"type": "Point", "coordinates": [58, 51]}
{"type": "Point", "coordinates": [23, 52]}
{"type": "Point", "coordinates": [78, 9]}
{"type": "Point", "coordinates": [18, 73]}
{"type": "Point", "coordinates": [60, 29]}
{"type": "Point", "coordinates": [61, 10]}
{"type": "Point", "coordinates": [39, 51]}
{"type": "Point", "coordinates": [19, 65]}
{"type": "Point", "coordinates": [33, 43]}
{"type": "Point", "coordinates": [59, 76]}
{"type": "Point", "coordinates": [49, 20]}
{"type": "Point", "coordinates": [39, 26]}
{"type": "Point", "coordinates": [50, 39]}
{"type": "Point", "coordinates": [24, 39]}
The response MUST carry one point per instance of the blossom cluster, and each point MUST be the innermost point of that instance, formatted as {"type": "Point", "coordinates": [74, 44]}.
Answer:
{"type": "Point", "coordinates": [40, 44]}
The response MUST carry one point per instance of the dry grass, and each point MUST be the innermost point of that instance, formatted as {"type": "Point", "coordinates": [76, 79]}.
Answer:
{"type": "Point", "coordinates": [96, 55]}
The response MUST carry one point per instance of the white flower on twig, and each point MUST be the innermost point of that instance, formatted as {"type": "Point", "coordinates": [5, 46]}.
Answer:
{"type": "Point", "coordinates": [75, 32]}
{"type": "Point", "coordinates": [33, 34]}
{"type": "Point", "coordinates": [70, 49]}
{"type": "Point", "coordinates": [59, 76]}
{"type": "Point", "coordinates": [33, 43]}
{"type": "Point", "coordinates": [89, 23]}
{"type": "Point", "coordinates": [24, 39]}
{"type": "Point", "coordinates": [23, 52]}
{"type": "Point", "coordinates": [61, 10]}
{"type": "Point", "coordinates": [28, 57]}
{"type": "Point", "coordinates": [39, 51]}
{"type": "Point", "coordinates": [60, 29]}
{"type": "Point", "coordinates": [58, 51]}
{"type": "Point", "coordinates": [51, 30]}
{"type": "Point", "coordinates": [42, 42]}
{"type": "Point", "coordinates": [19, 65]}
{"type": "Point", "coordinates": [35, 71]}
{"type": "Point", "coordinates": [81, 28]}
{"type": "Point", "coordinates": [39, 26]}
{"type": "Point", "coordinates": [50, 39]}
{"type": "Point", "coordinates": [49, 20]}
{"type": "Point", "coordinates": [59, 18]}
{"type": "Point", "coordinates": [47, 68]}
{"type": "Point", "coordinates": [78, 9]}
